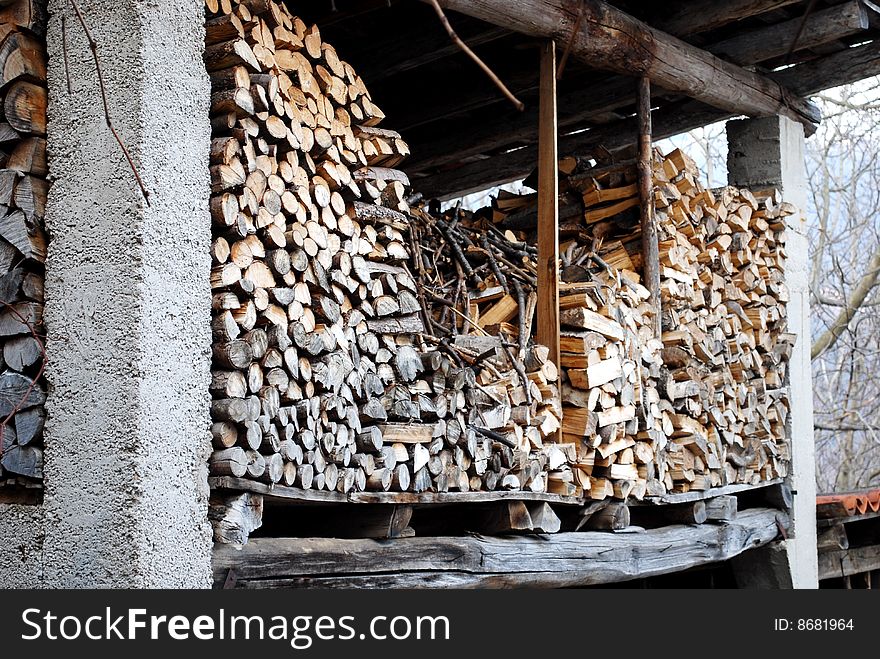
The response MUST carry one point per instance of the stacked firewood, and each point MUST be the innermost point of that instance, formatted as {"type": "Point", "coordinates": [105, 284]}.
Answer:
{"type": "Point", "coordinates": [725, 348]}
{"type": "Point", "coordinates": [479, 288]}
{"type": "Point", "coordinates": [23, 190]}
{"type": "Point", "coordinates": [324, 375]}
{"type": "Point", "coordinates": [713, 401]}
{"type": "Point", "coordinates": [611, 365]}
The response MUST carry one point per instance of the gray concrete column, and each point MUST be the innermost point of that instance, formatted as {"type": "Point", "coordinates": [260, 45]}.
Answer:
{"type": "Point", "coordinates": [21, 532]}
{"type": "Point", "coordinates": [128, 300]}
{"type": "Point", "coordinates": [762, 153]}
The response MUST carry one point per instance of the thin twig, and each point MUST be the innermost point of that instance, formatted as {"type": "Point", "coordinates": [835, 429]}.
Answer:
{"type": "Point", "coordinates": [574, 30]}
{"type": "Point", "coordinates": [93, 46]}
{"type": "Point", "coordinates": [461, 44]}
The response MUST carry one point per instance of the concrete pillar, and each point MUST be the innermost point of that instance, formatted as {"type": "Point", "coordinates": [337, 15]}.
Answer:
{"type": "Point", "coordinates": [128, 300]}
{"type": "Point", "coordinates": [21, 531]}
{"type": "Point", "coordinates": [762, 153]}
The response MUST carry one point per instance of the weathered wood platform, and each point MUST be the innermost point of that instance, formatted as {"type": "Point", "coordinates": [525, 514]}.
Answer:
{"type": "Point", "coordinates": [280, 494]}
{"type": "Point", "coordinates": [552, 561]}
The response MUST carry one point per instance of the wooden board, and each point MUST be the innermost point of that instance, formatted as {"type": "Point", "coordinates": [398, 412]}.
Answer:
{"type": "Point", "coordinates": [847, 562]}
{"type": "Point", "coordinates": [292, 495]}
{"type": "Point", "coordinates": [821, 523]}
{"type": "Point", "coordinates": [554, 561]}
{"type": "Point", "coordinates": [685, 497]}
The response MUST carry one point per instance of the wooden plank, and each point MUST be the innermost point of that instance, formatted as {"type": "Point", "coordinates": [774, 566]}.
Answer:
{"type": "Point", "coordinates": [558, 560]}
{"type": "Point", "coordinates": [611, 39]}
{"type": "Point", "coordinates": [771, 41]}
{"type": "Point", "coordinates": [691, 17]}
{"type": "Point", "coordinates": [548, 210]}
{"type": "Point", "coordinates": [277, 492]}
{"type": "Point", "coordinates": [684, 497]}
{"type": "Point", "coordinates": [846, 520]}
{"type": "Point", "coordinates": [293, 495]}
{"type": "Point", "coordinates": [847, 562]}
{"type": "Point", "coordinates": [650, 245]}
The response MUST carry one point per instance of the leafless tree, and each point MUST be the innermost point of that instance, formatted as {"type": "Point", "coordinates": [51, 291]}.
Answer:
{"type": "Point", "coordinates": [843, 165]}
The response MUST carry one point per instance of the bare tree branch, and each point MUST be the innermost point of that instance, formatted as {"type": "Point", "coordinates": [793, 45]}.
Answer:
{"type": "Point", "coordinates": [860, 292]}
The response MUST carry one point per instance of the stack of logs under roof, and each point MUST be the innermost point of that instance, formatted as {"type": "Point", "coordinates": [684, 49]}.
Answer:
{"type": "Point", "coordinates": [706, 405]}
{"type": "Point", "coordinates": [361, 344]}
{"type": "Point", "coordinates": [324, 374]}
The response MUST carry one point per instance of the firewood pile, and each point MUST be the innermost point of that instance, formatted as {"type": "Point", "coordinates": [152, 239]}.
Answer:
{"type": "Point", "coordinates": [324, 375]}
{"type": "Point", "coordinates": [23, 190]}
{"type": "Point", "coordinates": [708, 404]}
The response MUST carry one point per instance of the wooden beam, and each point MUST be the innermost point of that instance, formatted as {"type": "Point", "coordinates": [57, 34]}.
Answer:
{"type": "Point", "coordinates": [847, 562]}
{"type": "Point", "coordinates": [774, 40]}
{"type": "Point", "coordinates": [841, 68]}
{"type": "Point", "coordinates": [650, 244]}
{"type": "Point", "coordinates": [695, 16]}
{"type": "Point", "coordinates": [579, 102]}
{"type": "Point", "coordinates": [805, 79]}
{"type": "Point", "coordinates": [553, 561]}
{"type": "Point", "coordinates": [548, 208]}
{"type": "Point", "coordinates": [610, 39]}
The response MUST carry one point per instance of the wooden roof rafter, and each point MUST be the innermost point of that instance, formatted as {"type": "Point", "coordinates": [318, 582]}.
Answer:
{"type": "Point", "coordinates": [465, 136]}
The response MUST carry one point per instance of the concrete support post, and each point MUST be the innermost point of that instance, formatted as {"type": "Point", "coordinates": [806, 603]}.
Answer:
{"type": "Point", "coordinates": [128, 300]}
{"type": "Point", "coordinates": [762, 153]}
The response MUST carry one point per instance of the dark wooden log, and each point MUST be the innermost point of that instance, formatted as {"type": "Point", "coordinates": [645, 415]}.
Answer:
{"type": "Point", "coordinates": [22, 352]}
{"type": "Point", "coordinates": [506, 517]}
{"type": "Point", "coordinates": [23, 461]}
{"type": "Point", "coordinates": [694, 16]}
{"type": "Point", "coordinates": [833, 538]}
{"type": "Point", "coordinates": [370, 521]}
{"type": "Point", "coordinates": [656, 516]}
{"type": "Point", "coordinates": [234, 517]}
{"type": "Point", "coordinates": [847, 562]}
{"type": "Point", "coordinates": [772, 41]}
{"type": "Point", "coordinates": [548, 211]}
{"type": "Point", "coordinates": [721, 509]}
{"type": "Point", "coordinates": [29, 14]}
{"type": "Point", "coordinates": [29, 240]}
{"type": "Point", "coordinates": [18, 392]}
{"type": "Point", "coordinates": [610, 39]}
{"type": "Point", "coordinates": [29, 425]}
{"type": "Point", "coordinates": [557, 560]}
{"type": "Point", "coordinates": [613, 517]}
{"type": "Point", "coordinates": [25, 107]}
{"type": "Point", "coordinates": [650, 247]}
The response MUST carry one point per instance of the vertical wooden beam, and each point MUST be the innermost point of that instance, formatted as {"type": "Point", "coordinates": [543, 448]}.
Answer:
{"type": "Point", "coordinates": [650, 247]}
{"type": "Point", "coordinates": [548, 207]}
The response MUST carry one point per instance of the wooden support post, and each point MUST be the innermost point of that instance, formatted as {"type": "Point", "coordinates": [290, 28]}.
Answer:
{"type": "Point", "coordinates": [650, 247]}
{"type": "Point", "coordinates": [548, 208]}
